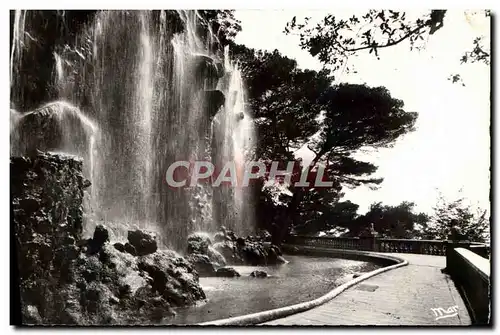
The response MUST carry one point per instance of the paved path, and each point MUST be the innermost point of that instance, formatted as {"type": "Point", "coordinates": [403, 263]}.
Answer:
{"type": "Point", "coordinates": [403, 296]}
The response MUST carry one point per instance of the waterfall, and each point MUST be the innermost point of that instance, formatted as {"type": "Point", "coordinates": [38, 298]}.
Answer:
{"type": "Point", "coordinates": [236, 141]}
{"type": "Point", "coordinates": [17, 47]}
{"type": "Point", "coordinates": [146, 95]}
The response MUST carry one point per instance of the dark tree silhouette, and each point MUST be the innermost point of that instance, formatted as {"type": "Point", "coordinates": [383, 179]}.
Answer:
{"type": "Point", "coordinates": [400, 221]}
{"type": "Point", "coordinates": [284, 100]}
{"type": "Point", "coordinates": [356, 116]}
{"type": "Point", "coordinates": [335, 39]}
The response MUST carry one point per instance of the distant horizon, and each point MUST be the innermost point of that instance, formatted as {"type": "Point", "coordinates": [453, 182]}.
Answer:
{"type": "Point", "coordinates": [450, 148]}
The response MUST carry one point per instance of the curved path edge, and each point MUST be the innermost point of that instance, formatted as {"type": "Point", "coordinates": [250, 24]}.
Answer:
{"type": "Point", "coordinates": [273, 314]}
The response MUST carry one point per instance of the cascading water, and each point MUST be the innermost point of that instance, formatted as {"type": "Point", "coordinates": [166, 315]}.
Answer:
{"type": "Point", "coordinates": [149, 95]}
{"type": "Point", "coordinates": [235, 141]}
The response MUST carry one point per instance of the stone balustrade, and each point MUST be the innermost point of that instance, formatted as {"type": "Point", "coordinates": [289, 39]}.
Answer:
{"type": "Point", "coordinates": [471, 274]}
{"type": "Point", "coordinates": [425, 247]}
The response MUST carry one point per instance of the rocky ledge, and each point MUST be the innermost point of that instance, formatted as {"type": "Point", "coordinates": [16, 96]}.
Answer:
{"type": "Point", "coordinates": [63, 279]}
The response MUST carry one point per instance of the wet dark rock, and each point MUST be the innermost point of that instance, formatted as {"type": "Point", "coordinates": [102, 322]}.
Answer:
{"type": "Point", "coordinates": [124, 291]}
{"type": "Point", "coordinates": [44, 128]}
{"type": "Point", "coordinates": [240, 242]}
{"type": "Point", "coordinates": [216, 257]}
{"type": "Point", "coordinates": [119, 246]}
{"type": "Point", "coordinates": [258, 274]}
{"type": "Point", "coordinates": [231, 235]}
{"type": "Point", "coordinates": [264, 235]}
{"type": "Point", "coordinates": [83, 243]}
{"type": "Point", "coordinates": [69, 240]}
{"type": "Point", "coordinates": [273, 255]}
{"type": "Point", "coordinates": [100, 237]}
{"type": "Point", "coordinates": [253, 254]}
{"type": "Point", "coordinates": [227, 272]}
{"type": "Point", "coordinates": [68, 280]}
{"type": "Point", "coordinates": [227, 250]}
{"type": "Point", "coordinates": [250, 251]}
{"type": "Point", "coordinates": [207, 68]}
{"type": "Point", "coordinates": [46, 192]}
{"type": "Point", "coordinates": [214, 101]}
{"type": "Point", "coordinates": [198, 243]}
{"type": "Point", "coordinates": [130, 249]}
{"type": "Point", "coordinates": [183, 280]}
{"type": "Point", "coordinates": [143, 243]}
{"type": "Point", "coordinates": [114, 300]}
{"type": "Point", "coordinates": [202, 265]}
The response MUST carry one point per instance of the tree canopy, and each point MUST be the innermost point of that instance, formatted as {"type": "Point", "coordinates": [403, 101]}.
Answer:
{"type": "Point", "coordinates": [294, 108]}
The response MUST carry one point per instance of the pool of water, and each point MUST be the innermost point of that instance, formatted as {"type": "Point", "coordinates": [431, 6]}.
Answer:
{"type": "Point", "coordinates": [304, 278]}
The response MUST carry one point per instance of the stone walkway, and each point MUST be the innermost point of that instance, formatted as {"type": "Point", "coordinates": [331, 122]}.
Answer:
{"type": "Point", "coordinates": [403, 296]}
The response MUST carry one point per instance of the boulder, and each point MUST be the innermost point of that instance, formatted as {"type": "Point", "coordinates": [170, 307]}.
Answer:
{"type": "Point", "coordinates": [214, 100]}
{"type": "Point", "coordinates": [130, 249]}
{"type": "Point", "coordinates": [264, 235]}
{"type": "Point", "coordinates": [143, 242]}
{"type": "Point", "coordinates": [227, 272]}
{"type": "Point", "coordinates": [254, 254]}
{"type": "Point", "coordinates": [202, 265]}
{"type": "Point", "coordinates": [227, 250]}
{"type": "Point", "coordinates": [198, 243]}
{"type": "Point", "coordinates": [119, 246]}
{"type": "Point", "coordinates": [231, 235]}
{"type": "Point", "coordinates": [240, 242]}
{"type": "Point", "coordinates": [208, 68]}
{"type": "Point", "coordinates": [272, 254]}
{"type": "Point", "coordinates": [100, 237]}
{"type": "Point", "coordinates": [46, 129]}
{"type": "Point", "coordinates": [172, 278]}
{"type": "Point", "coordinates": [258, 274]}
{"type": "Point", "coordinates": [216, 257]}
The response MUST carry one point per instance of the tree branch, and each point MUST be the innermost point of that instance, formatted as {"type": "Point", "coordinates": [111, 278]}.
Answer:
{"type": "Point", "coordinates": [389, 44]}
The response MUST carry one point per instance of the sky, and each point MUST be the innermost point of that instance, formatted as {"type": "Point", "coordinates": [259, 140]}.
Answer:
{"type": "Point", "coordinates": [450, 149]}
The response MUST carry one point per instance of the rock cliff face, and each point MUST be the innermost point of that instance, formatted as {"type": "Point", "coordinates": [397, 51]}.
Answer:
{"type": "Point", "coordinates": [63, 279]}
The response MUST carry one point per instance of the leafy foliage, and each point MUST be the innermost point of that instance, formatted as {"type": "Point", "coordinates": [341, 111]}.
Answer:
{"type": "Point", "coordinates": [284, 100]}
{"type": "Point", "coordinates": [334, 39]}
{"type": "Point", "coordinates": [459, 220]}
{"type": "Point", "coordinates": [327, 216]}
{"type": "Point", "coordinates": [391, 221]}
{"type": "Point", "coordinates": [358, 116]}
{"type": "Point", "coordinates": [221, 23]}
